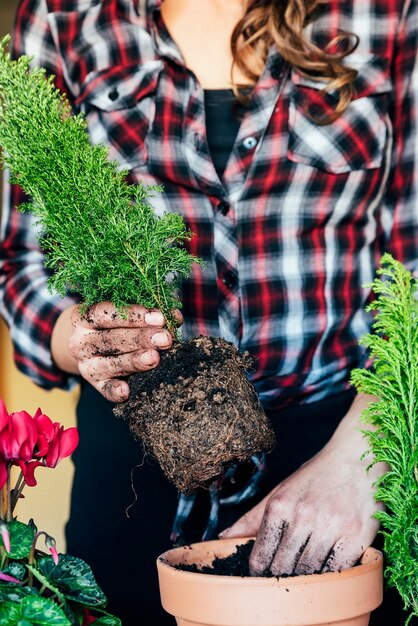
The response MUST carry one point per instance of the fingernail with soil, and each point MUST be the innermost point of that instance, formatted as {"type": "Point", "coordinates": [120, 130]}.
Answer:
{"type": "Point", "coordinates": [161, 340]}
{"type": "Point", "coordinates": [154, 318]}
{"type": "Point", "coordinates": [223, 533]}
{"type": "Point", "coordinates": [147, 358]}
{"type": "Point", "coordinates": [120, 392]}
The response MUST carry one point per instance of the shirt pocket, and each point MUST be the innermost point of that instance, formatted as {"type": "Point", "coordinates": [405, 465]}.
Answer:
{"type": "Point", "coordinates": [119, 106]}
{"type": "Point", "coordinates": [354, 141]}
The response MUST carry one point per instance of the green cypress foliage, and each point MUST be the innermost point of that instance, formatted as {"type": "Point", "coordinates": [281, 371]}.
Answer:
{"type": "Point", "coordinates": [101, 236]}
{"type": "Point", "coordinates": [393, 379]}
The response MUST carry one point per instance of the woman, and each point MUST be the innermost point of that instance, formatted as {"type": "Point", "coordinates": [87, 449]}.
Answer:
{"type": "Point", "coordinates": [293, 193]}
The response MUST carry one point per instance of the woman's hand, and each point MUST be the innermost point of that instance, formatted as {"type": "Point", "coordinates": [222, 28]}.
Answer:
{"type": "Point", "coordinates": [320, 518]}
{"type": "Point", "coordinates": [104, 347]}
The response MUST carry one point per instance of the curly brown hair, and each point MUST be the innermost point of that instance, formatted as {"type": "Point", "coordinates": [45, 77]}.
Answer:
{"type": "Point", "coordinates": [282, 22]}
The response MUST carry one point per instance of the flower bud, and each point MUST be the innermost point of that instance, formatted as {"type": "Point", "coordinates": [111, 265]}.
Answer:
{"type": "Point", "coordinates": [33, 526]}
{"type": "Point", "coordinates": [9, 579]}
{"type": "Point", "coordinates": [4, 532]}
{"type": "Point", "coordinates": [50, 544]}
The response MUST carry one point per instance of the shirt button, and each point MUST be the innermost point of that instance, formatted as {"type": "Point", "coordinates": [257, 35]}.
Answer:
{"type": "Point", "coordinates": [113, 94]}
{"type": "Point", "coordinates": [249, 143]}
{"type": "Point", "coordinates": [229, 279]}
{"type": "Point", "coordinates": [223, 207]}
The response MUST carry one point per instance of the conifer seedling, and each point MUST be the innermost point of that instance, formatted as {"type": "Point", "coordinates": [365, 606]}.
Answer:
{"type": "Point", "coordinates": [102, 238]}
{"type": "Point", "coordinates": [393, 438]}
{"type": "Point", "coordinates": [197, 412]}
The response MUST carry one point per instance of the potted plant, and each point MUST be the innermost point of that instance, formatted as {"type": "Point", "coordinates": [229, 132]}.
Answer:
{"type": "Point", "coordinates": [202, 599]}
{"type": "Point", "coordinates": [197, 412]}
{"type": "Point", "coordinates": [37, 588]}
{"type": "Point", "coordinates": [198, 599]}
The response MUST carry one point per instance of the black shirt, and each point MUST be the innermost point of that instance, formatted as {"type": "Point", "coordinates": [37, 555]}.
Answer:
{"type": "Point", "coordinates": [223, 118]}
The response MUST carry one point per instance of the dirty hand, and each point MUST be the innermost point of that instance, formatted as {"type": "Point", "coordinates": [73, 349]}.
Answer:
{"type": "Point", "coordinates": [108, 347]}
{"type": "Point", "coordinates": [320, 518]}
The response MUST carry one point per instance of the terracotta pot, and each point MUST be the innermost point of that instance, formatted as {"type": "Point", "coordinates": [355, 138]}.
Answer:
{"type": "Point", "coordinates": [345, 598]}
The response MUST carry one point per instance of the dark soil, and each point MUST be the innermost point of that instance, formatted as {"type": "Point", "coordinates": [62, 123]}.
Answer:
{"type": "Point", "coordinates": [236, 564]}
{"type": "Point", "coordinates": [197, 413]}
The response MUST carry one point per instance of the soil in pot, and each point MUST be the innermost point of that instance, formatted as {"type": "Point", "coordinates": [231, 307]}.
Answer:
{"type": "Point", "coordinates": [235, 564]}
{"type": "Point", "coordinates": [197, 413]}
{"type": "Point", "coordinates": [343, 598]}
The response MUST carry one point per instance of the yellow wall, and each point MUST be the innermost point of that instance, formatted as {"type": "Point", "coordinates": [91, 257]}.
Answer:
{"type": "Point", "coordinates": [48, 503]}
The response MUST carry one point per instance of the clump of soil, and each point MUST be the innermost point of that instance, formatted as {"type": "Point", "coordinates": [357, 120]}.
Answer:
{"type": "Point", "coordinates": [235, 564]}
{"type": "Point", "coordinates": [197, 413]}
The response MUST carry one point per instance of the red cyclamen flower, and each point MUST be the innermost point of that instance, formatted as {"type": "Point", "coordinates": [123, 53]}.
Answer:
{"type": "Point", "coordinates": [46, 432]}
{"type": "Point", "coordinates": [18, 435]}
{"type": "Point", "coordinates": [88, 618]}
{"type": "Point", "coordinates": [28, 470]}
{"type": "Point", "coordinates": [32, 441]}
{"type": "Point", "coordinates": [62, 445]}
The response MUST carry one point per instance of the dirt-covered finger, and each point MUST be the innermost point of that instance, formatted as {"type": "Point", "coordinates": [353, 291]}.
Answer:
{"type": "Point", "coordinates": [292, 543]}
{"type": "Point", "coordinates": [265, 547]}
{"type": "Point", "coordinates": [113, 390]}
{"type": "Point", "coordinates": [117, 341]}
{"type": "Point", "coordinates": [178, 316]}
{"type": "Point", "coordinates": [106, 315]}
{"type": "Point", "coordinates": [344, 554]}
{"type": "Point", "coordinates": [103, 368]}
{"type": "Point", "coordinates": [314, 555]}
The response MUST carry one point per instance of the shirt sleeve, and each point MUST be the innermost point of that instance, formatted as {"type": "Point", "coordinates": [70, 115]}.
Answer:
{"type": "Point", "coordinates": [26, 304]}
{"type": "Point", "coordinates": [400, 206]}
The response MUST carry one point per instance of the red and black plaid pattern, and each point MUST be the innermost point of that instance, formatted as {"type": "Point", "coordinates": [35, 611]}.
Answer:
{"type": "Point", "coordinates": [304, 211]}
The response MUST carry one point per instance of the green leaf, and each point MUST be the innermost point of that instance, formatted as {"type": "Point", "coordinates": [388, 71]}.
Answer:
{"type": "Point", "coordinates": [44, 580]}
{"type": "Point", "coordinates": [10, 592]}
{"type": "Point", "coordinates": [10, 614]}
{"type": "Point", "coordinates": [21, 537]}
{"type": "Point", "coordinates": [43, 612]}
{"type": "Point", "coordinates": [108, 620]}
{"type": "Point", "coordinates": [32, 611]}
{"type": "Point", "coordinates": [74, 578]}
{"type": "Point", "coordinates": [73, 612]}
{"type": "Point", "coordinates": [18, 570]}
{"type": "Point", "coordinates": [103, 618]}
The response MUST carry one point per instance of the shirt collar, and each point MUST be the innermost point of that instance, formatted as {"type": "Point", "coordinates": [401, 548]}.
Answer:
{"type": "Point", "coordinates": [166, 47]}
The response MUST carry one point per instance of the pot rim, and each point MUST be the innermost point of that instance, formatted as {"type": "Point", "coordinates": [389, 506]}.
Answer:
{"type": "Point", "coordinates": [371, 559]}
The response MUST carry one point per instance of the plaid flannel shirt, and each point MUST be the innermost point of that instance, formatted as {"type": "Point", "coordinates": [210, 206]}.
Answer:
{"type": "Point", "coordinates": [299, 222]}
